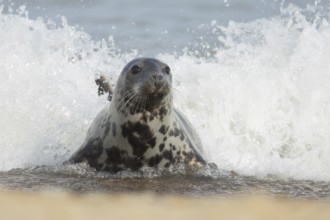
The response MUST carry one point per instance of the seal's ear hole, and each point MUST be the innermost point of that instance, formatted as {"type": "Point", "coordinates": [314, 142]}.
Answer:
{"type": "Point", "coordinates": [167, 70]}
{"type": "Point", "coordinates": [136, 69]}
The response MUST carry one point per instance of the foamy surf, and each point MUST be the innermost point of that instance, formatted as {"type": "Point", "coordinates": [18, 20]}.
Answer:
{"type": "Point", "coordinates": [261, 103]}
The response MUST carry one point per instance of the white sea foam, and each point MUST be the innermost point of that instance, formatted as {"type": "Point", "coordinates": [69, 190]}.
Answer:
{"type": "Point", "coordinates": [261, 104]}
{"type": "Point", "coordinates": [47, 89]}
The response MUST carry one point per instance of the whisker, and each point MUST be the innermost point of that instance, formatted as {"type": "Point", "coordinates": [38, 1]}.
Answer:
{"type": "Point", "coordinates": [127, 93]}
{"type": "Point", "coordinates": [124, 98]}
{"type": "Point", "coordinates": [137, 107]}
{"type": "Point", "coordinates": [132, 104]}
{"type": "Point", "coordinates": [145, 100]}
{"type": "Point", "coordinates": [127, 102]}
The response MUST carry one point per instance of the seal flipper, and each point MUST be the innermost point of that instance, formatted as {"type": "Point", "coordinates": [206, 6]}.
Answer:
{"type": "Point", "coordinates": [104, 87]}
{"type": "Point", "coordinates": [89, 152]}
{"type": "Point", "coordinates": [193, 137]}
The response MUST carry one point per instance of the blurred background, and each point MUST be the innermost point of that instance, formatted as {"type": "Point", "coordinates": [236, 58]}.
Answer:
{"type": "Point", "coordinates": [154, 26]}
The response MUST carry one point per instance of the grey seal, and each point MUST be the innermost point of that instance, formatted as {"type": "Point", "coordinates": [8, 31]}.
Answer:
{"type": "Point", "coordinates": [140, 127]}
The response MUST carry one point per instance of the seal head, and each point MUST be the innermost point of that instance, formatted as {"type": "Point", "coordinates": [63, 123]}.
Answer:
{"type": "Point", "coordinates": [143, 85]}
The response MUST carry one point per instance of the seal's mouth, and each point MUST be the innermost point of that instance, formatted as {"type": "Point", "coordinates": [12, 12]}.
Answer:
{"type": "Point", "coordinates": [158, 92]}
{"type": "Point", "coordinates": [154, 102]}
{"type": "Point", "coordinates": [155, 96]}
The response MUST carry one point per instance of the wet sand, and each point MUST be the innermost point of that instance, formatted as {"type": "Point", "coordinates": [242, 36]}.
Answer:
{"type": "Point", "coordinates": [62, 205]}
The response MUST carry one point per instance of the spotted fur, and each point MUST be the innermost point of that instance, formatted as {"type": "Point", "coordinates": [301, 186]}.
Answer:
{"type": "Point", "coordinates": [140, 127]}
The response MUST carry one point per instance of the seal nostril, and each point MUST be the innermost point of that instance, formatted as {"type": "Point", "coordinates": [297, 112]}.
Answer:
{"type": "Point", "coordinates": [157, 78]}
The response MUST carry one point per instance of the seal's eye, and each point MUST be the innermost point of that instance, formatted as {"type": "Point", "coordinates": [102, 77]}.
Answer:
{"type": "Point", "coordinates": [136, 69]}
{"type": "Point", "coordinates": [167, 70]}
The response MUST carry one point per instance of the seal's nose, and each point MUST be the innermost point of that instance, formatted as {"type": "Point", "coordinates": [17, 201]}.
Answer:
{"type": "Point", "coordinates": [158, 81]}
{"type": "Point", "coordinates": [157, 77]}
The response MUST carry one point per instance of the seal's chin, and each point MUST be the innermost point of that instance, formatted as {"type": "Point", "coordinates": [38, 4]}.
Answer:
{"type": "Point", "coordinates": [155, 99]}
{"type": "Point", "coordinates": [158, 95]}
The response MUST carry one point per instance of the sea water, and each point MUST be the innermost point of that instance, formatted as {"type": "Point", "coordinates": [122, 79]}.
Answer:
{"type": "Point", "coordinates": [252, 76]}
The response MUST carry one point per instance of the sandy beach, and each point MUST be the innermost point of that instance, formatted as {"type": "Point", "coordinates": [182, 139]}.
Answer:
{"type": "Point", "coordinates": [62, 205]}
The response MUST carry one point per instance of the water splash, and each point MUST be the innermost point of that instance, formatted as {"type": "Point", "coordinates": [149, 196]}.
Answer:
{"type": "Point", "coordinates": [262, 105]}
{"type": "Point", "coordinates": [47, 88]}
